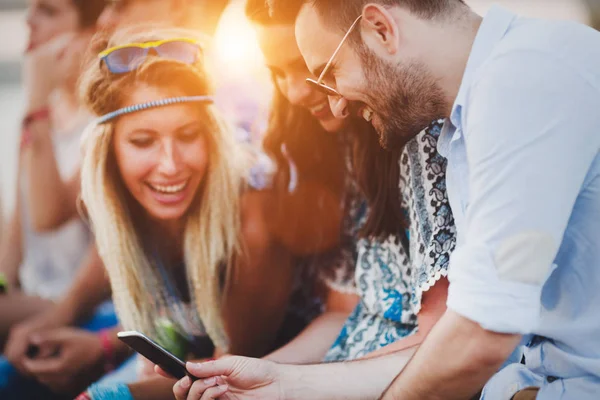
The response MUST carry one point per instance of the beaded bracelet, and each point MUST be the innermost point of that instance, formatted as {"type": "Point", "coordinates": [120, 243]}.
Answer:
{"type": "Point", "coordinates": [153, 104]}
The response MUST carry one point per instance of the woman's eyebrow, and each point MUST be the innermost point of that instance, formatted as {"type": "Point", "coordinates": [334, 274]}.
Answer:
{"type": "Point", "coordinates": [195, 124]}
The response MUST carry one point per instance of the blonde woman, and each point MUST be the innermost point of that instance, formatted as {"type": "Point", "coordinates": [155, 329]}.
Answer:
{"type": "Point", "coordinates": [163, 180]}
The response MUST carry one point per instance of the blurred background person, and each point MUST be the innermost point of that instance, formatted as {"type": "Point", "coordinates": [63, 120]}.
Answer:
{"type": "Point", "coordinates": [91, 286]}
{"type": "Point", "coordinates": [44, 264]}
{"type": "Point", "coordinates": [201, 15]}
{"type": "Point", "coordinates": [40, 267]}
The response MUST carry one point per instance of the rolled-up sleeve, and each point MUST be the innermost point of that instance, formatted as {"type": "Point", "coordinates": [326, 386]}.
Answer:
{"type": "Point", "coordinates": [531, 130]}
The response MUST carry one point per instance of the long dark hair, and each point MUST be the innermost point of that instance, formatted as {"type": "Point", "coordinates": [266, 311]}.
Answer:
{"type": "Point", "coordinates": [306, 206]}
{"type": "Point", "coordinates": [377, 172]}
{"type": "Point", "coordinates": [319, 157]}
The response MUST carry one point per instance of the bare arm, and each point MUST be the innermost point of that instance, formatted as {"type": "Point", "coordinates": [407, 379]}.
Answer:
{"type": "Point", "coordinates": [249, 378]}
{"type": "Point", "coordinates": [257, 295]}
{"type": "Point", "coordinates": [11, 246]}
{"type": "Point", "coordinates": [90, 288]}
{"type": "Point", "coordinates": [432, 309]}
{"type": "Point", "coordinates": [455, 361]}
{"type": "Point", "coordinates": [311, 345]}
{"type": "Point", "coordinates": [51, 201]}
{"type": "Point", "coordinates": [155, 388]}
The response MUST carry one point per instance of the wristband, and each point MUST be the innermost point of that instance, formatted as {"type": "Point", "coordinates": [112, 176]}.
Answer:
{"type": "Point", "coordinates": [37, 115]}
{"type": "Point", "coordinates": [108, 350]}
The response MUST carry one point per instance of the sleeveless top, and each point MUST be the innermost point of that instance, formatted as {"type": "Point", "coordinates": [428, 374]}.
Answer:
{"type": "Point", "coordinates": [51, 259]}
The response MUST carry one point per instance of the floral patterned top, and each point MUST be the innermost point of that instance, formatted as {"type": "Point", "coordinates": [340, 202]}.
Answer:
{"type": "Point", "coordinates": [391, 279]}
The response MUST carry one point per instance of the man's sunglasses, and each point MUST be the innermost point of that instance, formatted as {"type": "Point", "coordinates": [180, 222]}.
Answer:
{"type": "Point", "coordinates": [129, 57]}
{"type": "Point", "coordinates": [318, 84]}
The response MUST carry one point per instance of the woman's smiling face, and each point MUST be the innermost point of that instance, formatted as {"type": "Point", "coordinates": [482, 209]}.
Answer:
{"type": "Point", "coordinates": [162, 153]}
{"type": "Point", "coordinates": [283, 58]}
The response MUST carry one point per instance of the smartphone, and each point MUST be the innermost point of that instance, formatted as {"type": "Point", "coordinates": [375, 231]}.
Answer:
{"type": "Point", "coordinates": [154, 352]}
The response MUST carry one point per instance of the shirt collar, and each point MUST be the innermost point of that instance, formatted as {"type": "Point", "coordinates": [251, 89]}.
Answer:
{"type": "Point", "coordinates": [492, 30]}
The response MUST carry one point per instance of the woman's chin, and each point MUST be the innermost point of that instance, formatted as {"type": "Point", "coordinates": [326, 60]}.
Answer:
{"type": "Point", "coordinates": [332, 124]}
{"type": "Point", "coordinates": [166, 215]}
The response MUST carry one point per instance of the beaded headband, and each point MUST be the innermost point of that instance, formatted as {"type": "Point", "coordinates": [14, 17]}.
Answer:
{"type": "Point", "coordinates": [153, 104]}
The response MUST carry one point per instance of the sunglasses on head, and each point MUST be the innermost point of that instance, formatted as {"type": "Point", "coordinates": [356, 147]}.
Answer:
{"type": "Point", "coordinates": [128, 57]}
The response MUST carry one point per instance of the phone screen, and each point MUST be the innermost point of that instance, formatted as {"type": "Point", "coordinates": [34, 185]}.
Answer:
{"type": "Point", "coordinates": [154, 352]}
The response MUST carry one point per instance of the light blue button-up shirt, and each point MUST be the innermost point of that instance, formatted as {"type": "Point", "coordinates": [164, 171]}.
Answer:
{"type": "Point", "coordinates": [523, 181]}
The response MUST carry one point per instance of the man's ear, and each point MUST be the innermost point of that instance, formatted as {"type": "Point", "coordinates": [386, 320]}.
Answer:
{"type": "Point", "coordinates": [380, 29]}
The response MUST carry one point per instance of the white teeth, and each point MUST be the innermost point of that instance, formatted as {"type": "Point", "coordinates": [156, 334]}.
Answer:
{"type": "Point", "coordinates": [367, 114]}
{"type": "Point", "coordinates": [169, 189]}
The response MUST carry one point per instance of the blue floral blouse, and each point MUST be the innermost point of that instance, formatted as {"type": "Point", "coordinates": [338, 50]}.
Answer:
{"type": "Point", "coordinates": [391, 279]}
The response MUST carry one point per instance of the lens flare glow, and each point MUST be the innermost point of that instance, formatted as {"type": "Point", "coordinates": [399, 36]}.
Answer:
{"type": "Point", "coordinates": [235, 44]}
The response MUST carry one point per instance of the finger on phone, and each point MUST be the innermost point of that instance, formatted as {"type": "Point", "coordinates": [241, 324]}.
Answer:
{"type": "Point", "coordinates": [184, 389]}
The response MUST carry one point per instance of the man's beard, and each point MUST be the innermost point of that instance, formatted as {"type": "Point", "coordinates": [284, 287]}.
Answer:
{"type": "Point", "coordinates": [405, 99]}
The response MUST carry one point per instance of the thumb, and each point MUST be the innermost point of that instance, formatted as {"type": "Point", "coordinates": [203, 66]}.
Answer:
{"type": "Point", "coordinates": [224, 366]}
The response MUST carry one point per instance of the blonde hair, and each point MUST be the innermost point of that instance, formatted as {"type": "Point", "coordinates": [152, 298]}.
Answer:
{"type": "Point", "coordinates": [212, 228]}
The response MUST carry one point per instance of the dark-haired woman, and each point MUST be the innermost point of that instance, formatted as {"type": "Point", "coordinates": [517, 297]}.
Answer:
{"type": "Point", "coordinates": [317, 210]}
{"type": "Point", "coordinates": [401, 244]}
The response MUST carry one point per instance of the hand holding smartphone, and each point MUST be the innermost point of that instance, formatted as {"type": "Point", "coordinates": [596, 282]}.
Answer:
{"type": "Point", "coordinates": [155, 353]}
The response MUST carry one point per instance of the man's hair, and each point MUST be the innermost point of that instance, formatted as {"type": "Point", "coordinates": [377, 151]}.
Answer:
{"type": "Point", "coordinates": [343, 12]}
